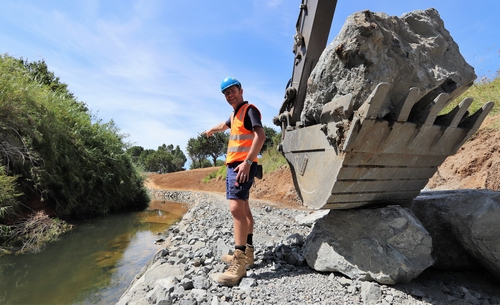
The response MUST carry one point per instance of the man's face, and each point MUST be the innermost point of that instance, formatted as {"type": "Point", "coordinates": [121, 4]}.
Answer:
{"type": "Point", "coordinates": [234, 95]}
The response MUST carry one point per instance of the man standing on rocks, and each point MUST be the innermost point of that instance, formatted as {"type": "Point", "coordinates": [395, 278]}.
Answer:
{"type": "Point", "coordinates": [245, 142]}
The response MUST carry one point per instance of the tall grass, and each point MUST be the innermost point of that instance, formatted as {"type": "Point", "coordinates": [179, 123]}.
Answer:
{"type": "Point", "coordinates": [53, 149]}
{"type": "Point", "coordinates": [216, 174]}
{"type": "Point", "coordinates": [62, 153]}
{"type": "Point", "coordinates": [482, 92]}
{"type": "Point", "coordinates": [272, 159]}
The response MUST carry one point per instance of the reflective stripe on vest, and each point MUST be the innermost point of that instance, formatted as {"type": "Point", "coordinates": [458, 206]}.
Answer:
{"type": "Point", "coordinates": [240, 138]}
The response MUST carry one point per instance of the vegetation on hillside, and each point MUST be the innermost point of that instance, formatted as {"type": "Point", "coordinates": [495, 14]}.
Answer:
{"type": "Point", "coordinates": [166, 159]}
{"type": "Point", "coordinates": [55, 152]}
{"type": "Point", "coordinates": [481, 92]}
{"type": "Point", "coordinates": [272, 158]}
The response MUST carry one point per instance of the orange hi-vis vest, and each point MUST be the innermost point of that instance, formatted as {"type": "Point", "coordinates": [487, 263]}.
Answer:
{"type": "Point", "coordinates": [240, 138]}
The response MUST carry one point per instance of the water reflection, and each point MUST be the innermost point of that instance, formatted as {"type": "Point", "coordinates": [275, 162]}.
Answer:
{"type": "Point", "coordinates": [93, 264]}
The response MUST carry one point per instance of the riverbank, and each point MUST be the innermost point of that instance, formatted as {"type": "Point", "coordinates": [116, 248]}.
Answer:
{"type": "Point", "coordinates": [180, 272]}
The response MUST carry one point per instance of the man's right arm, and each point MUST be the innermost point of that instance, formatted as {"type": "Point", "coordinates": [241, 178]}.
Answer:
{"type": "Point", "coordinates": [217, 128]}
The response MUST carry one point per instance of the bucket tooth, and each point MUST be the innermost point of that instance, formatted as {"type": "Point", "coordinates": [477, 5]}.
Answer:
{"type": "Point", "coordinates": [371, 107]}
{"type": "Point", "coordinates": [428, 114]}
{"type": "Point", "coordinates": [424, 137]}
{"type": "Point", "coordinates": [352, 133]}
{"type": "Point", "coordinates": [474, 121]}
{"type": "Point", "coordinates": [451, 121]}
{"type": "Point", "coordinates": [453, 118]}
{"type": "Point", "coordinates": [403, 112]}
{"type": "Point", "coordinates": [435, 107]}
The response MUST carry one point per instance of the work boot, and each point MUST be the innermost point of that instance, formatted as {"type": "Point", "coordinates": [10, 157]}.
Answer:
{"type": "Point", "coordinates": [249, 252]}
{"type": "Point", "coordinates": [236, 270]}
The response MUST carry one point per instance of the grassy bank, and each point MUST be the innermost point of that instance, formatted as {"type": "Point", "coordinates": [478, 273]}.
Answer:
{"type": "Point", "coordinates": [481, 92]}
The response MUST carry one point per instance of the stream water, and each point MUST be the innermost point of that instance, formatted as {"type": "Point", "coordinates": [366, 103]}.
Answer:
{"type": "Point", "coordinates": [92, 264]}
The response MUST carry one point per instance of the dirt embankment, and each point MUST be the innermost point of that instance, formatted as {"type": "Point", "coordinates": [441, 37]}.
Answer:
{"type": "Point", "coordinates": [475, 166]}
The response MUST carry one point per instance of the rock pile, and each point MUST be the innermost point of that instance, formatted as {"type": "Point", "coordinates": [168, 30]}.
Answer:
{"type": "Point", "coordinates": [180, 272]}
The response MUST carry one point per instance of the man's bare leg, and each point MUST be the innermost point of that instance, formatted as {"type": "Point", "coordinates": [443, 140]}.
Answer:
{"type": "Point", "coordinates": [238, 208]}
{"type": "Point", "coordinates": [237, 269]}
{"type": "Point", "coordinates": [249, 217]}
{"type": "Point", "coordinates": [242, 238]}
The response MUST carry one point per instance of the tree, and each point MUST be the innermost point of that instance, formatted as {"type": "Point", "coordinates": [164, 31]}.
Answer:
{"type": "Point", "coordinates": [202, 147]}
{"type": "Point", "coordinates": [214, 146]}
{"type": "Point", "coordinates": [195, 152]}
{"type": "Point", "coordinates": [135, 152]}
{"type": "Point", "coordinates": [203, 163]}
{"type": "Point", "coordinates": [165, 159]}
{"type": "Point", "coordinates": [270, 134]}
{"type": "Point", "coordinates": [159, 161]}
{"type": "Point", "coordinates": [40, 73]}
{"type": "Point", "coordinates": [179, 159]}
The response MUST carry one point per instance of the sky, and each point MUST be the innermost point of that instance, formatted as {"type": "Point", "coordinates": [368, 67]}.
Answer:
{"type": "Point", "coordinates": [154, 67]}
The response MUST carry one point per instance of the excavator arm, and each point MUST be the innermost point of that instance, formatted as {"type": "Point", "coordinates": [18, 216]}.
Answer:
{"type": "Point", "coordinates": [312, 30]}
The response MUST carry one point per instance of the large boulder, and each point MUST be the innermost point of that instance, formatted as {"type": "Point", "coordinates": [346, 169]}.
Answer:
{"type": "Point", "coordinates": [387, 245]}
{"type": "Point", "coordinates": [414, 50]}
{"type": "Point", "coordinates": [464, 226]}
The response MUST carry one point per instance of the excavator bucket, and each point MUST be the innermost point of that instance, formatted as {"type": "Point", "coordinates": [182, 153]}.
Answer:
{"type": "Point", "coordinates": [356, 159]}
{"type": "Point", "coordinates": [383, 150]}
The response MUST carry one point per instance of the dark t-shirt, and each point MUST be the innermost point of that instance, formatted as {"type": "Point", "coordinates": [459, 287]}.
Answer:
{"type": "Point", "coordinates": [251, 120]}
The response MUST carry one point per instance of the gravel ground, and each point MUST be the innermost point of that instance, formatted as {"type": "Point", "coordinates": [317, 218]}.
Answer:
{"type": "Point", "coordinates": [281, 275]}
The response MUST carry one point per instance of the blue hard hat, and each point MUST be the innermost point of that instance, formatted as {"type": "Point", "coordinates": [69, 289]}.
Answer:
{"type": "Point", "coordinates": [228, 82]}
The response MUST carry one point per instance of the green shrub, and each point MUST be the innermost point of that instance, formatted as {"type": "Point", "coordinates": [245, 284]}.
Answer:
{"type": "Point", "coordinates": [8, 196]}
{"type": "Point", "coordinates": [62, 153]}
{"type": "Point", "coordinates": [272, 160]}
